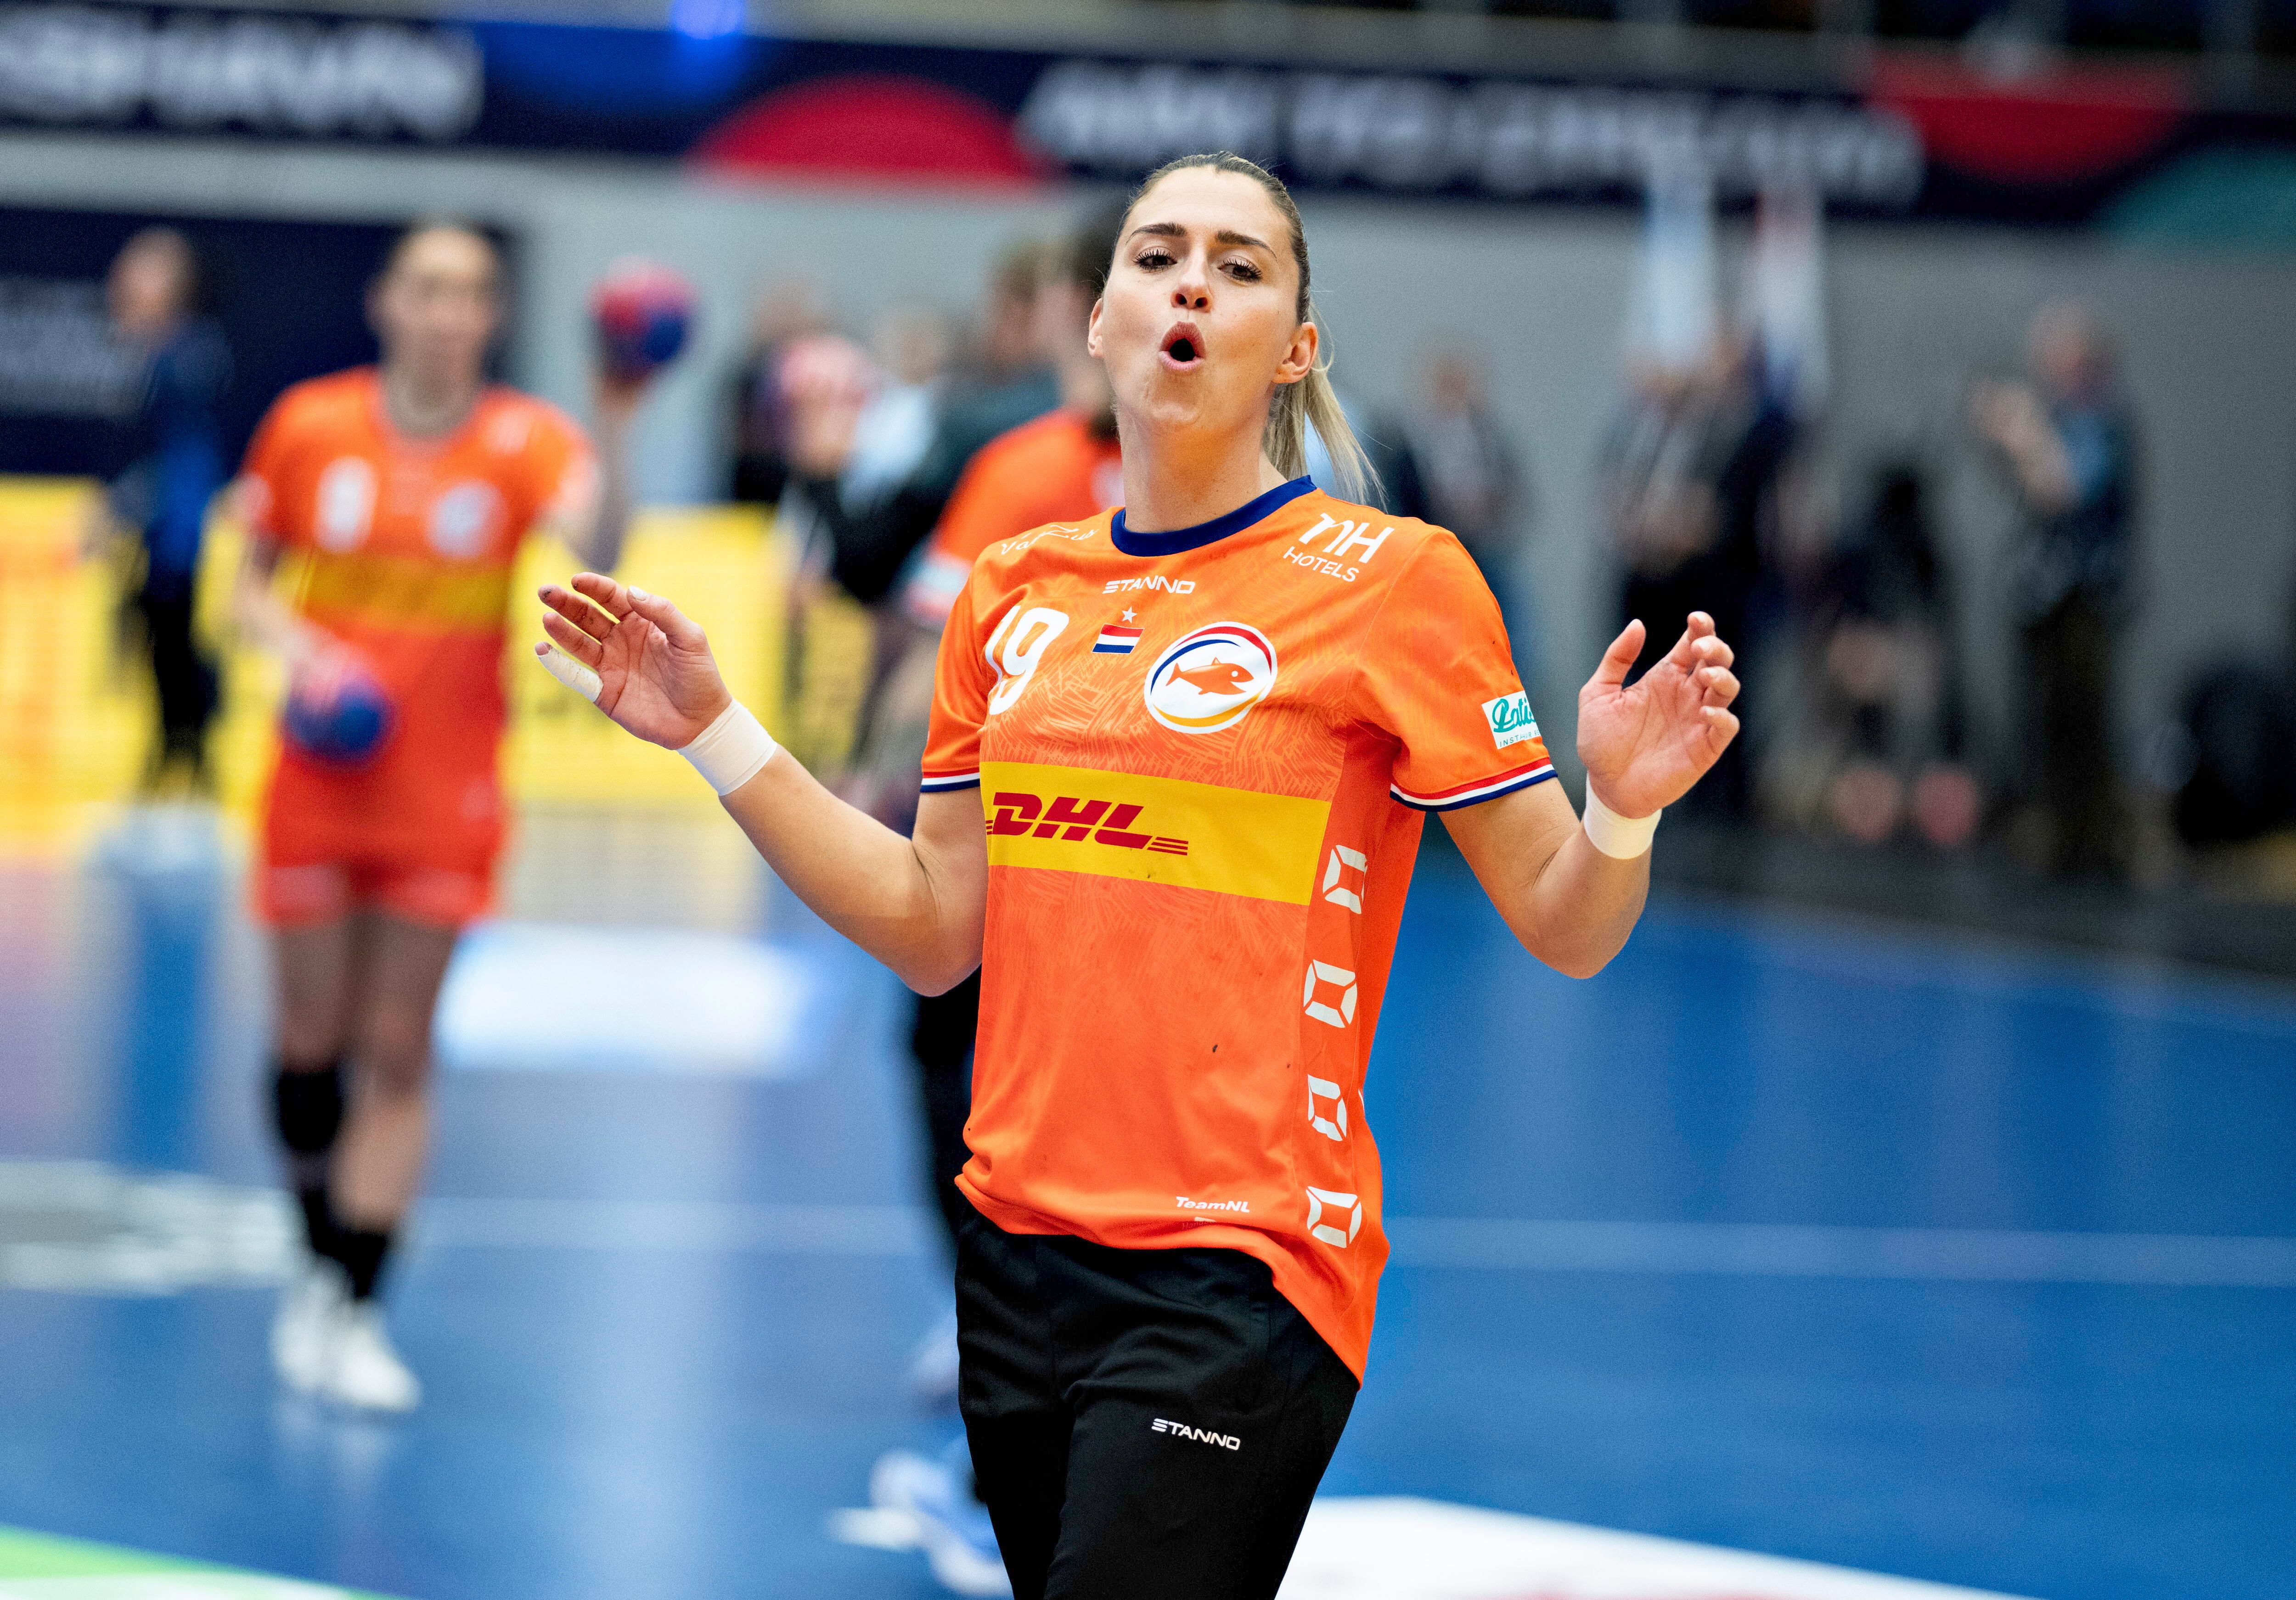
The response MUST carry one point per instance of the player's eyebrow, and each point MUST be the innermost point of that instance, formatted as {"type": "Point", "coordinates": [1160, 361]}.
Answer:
{"type": "Point", "coordinates": [1173, 230]}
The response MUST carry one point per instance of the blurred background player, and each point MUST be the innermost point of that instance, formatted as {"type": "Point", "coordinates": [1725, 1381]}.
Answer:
{"type": "Point", "coordinates": [404, 490]}
{"type": "Point", "coordinates": [157, 294]}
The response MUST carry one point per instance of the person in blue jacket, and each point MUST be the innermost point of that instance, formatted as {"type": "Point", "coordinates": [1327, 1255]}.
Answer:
{"type": "Point", "coordinates": [172, 446]}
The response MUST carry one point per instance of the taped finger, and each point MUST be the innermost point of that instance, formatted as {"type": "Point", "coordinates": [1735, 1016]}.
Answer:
{"type": "Point", "coordinates": [570, 672]}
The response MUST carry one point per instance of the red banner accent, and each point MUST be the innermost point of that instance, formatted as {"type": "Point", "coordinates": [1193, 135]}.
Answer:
{"type": "Point", "coordinates": [870, 127]}
{"type": "Point", "coordinates": [2057, 127]}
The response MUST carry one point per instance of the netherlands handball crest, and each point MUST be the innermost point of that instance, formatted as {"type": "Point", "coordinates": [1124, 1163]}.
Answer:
{"type": "Point", "coordinates": [1209, 679]}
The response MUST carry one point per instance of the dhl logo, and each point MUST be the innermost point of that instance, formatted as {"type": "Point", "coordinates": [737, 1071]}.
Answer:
{"type": "Point", "coordinates": [1103, 822]}
{"type": "Point", "coordinates": [1077, 819]}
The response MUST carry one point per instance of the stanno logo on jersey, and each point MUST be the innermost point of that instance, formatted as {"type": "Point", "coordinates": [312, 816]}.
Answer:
{"type": "Point", "coordinates": [1210, 679]}
{"type": "Point", "coordinates": [1115, 640]}
{"type": "Point", "coordinates": [1510, 719]}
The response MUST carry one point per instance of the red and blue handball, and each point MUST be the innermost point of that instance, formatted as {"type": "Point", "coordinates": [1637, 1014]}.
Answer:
{"type": "Point", "coordinates": [642, 313]}
{"type": "Point", "coordinates": [337, 712]}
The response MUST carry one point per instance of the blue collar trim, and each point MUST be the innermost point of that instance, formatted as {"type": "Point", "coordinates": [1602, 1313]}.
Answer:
{"type": "Point", "coordinates": [1203, 533]}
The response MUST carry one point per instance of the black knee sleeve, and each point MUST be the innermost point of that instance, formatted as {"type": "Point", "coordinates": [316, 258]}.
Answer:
{"type": "Point", "coordinates": [307, 1108]}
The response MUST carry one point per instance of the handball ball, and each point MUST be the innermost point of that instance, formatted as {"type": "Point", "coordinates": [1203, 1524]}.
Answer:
{"type": "Point", "coordinates": [643, 312]}
{"type": "Point", "coordinates": [338, 712]}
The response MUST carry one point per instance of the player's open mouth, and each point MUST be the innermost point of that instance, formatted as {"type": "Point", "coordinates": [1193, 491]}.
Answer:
{"type": "Point", "coordinates": [1184, 347]}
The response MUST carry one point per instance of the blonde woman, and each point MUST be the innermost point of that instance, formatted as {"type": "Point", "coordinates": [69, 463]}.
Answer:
{"type": "Point", "coordinates": [1181, 754]}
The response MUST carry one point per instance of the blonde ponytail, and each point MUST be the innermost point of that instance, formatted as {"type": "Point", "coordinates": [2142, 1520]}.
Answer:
{"type": "Point", "coordinates": [1311, 402]}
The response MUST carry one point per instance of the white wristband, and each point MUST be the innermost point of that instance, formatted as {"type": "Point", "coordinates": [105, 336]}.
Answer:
{"type": "Point", "coordinates": [1620, 837]}
{"type": "Point", "coordinates": [730, 752]}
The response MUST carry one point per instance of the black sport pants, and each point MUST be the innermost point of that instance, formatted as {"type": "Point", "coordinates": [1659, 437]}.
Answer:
{"type": "Point", "coordinates": [1143, 1423]}
{"type": "Point", "coordinates": [941, 1041]}
{"type": "Point", "coordinates": [183, 675]}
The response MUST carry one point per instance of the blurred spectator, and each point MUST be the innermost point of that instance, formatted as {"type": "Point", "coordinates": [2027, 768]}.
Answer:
{"type": "Point", "coordinates": [911, 344]}
{"type": "Point", "coordinates": [787, 309]}
{"type": "Point", "coordinates": [869, 480]}
{"type": "Point", "coordinates": [862, 433]}
{"type": "Point", "coordinates": [173, 448]}
{"type": "Point", "coordinates": [1688, 472]}
{"type": "Point", "coordinates": [864, 542]}
{"type": "Point", "coordinates": [1007, 379]}
{"type": "Point", "coordinates": [2068, 450]}
{"type": "Point", "coordinates": [1882, 739]}
{"type": "Point", "coordinates": [1455, 468]}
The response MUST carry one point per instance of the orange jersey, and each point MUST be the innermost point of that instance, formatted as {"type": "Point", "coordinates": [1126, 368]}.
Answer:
{"type": "Point", "coordinates": [1054, 469]}
{"type": "Point", "coordinates": [1204, 758]}
{"type": "Point", "coordinates": [409, 545]}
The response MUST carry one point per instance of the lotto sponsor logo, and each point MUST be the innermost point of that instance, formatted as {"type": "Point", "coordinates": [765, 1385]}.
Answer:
{"type": "Point", "coordinates": [1210, 680]}
{"type": "Point", "coordinates": [1066, 817]}
{"type": "Point", "coordinates": [1227, 1441]}
{"type": "Point", "coordinates": [1510, 720]}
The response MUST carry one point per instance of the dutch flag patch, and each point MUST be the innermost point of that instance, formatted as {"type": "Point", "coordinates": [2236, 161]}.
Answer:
{"type": "Point", "coordinates": [1115, 640]}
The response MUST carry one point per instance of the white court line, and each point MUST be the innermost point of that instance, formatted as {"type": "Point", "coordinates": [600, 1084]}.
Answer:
{"type": "Point", "coordinates": [704, 1228]}
{"type": "Point", "coordinates": [1760, 1249]}
{"type": "Point", "coordinates": [1746, 1249]}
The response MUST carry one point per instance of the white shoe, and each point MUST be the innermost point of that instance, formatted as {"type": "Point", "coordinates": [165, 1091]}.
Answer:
{"type": "Point", "coordinates": [367, 1373]}
{"type": "Point", "coordinates": [950, 1525]}
{"type": "Point", "coordinates": [305, 1332]}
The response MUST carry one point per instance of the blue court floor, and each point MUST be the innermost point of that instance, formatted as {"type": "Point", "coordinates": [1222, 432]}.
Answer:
{"type": "Point", "coordinates": [1968, 1262]}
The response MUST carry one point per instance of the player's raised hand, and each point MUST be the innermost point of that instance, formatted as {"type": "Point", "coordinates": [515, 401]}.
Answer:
{"type": "Point", "coordinates": [1646, 743]}
{"type": "Point", "coordinates": [643, 662]}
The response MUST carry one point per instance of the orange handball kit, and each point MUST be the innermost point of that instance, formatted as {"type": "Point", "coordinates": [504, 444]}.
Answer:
{"type": "Point", "coordinates": [1205, 759]}
{"type": "Point", "coordinates": [407, 546]}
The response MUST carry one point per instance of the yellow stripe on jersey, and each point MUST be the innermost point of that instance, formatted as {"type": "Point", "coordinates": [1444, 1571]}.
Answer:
{"type": "Point", "coordinates": [1114, 825]}
{"type": "Point", "coordinates": [415, 592]}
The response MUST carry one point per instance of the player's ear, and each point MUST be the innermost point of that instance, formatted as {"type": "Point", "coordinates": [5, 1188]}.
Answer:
{"type": "Point", "coordinates": [1299, 359]}
{"type": "Point", "coordinates": [1091, 330]}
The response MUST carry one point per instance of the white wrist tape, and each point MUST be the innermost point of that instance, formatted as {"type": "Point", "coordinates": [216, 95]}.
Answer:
{"type": "Point", "coordinates": [730, 752]}
{"type": "Point", "coordinates": [1620, 837]}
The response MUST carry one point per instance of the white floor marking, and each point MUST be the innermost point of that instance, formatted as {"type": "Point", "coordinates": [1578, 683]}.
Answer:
{"type": "Point", "coordinates": [84, 1228]}
{"type": "Point", "coordinates": [548, 997]}
{"type": "Point", "coordinates": [166, 1586]}
{"type": "Point", "coordinates": [1752, 1249]}
{"type": "Point", "coordinates": [705, 1228]}
{"type": "Point", "coordinates": [1399, 1548]}
{"type": "Point", "coordinates": [87, 1227]}
{"type": "Point", "coordinates": [1764, 1250]}
{"type": "Point", "coordinates": [1410, 1549]}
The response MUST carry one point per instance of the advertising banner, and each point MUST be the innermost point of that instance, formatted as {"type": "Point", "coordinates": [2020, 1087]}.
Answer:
{"type": "Point", "coordinates": [1916, 136]}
